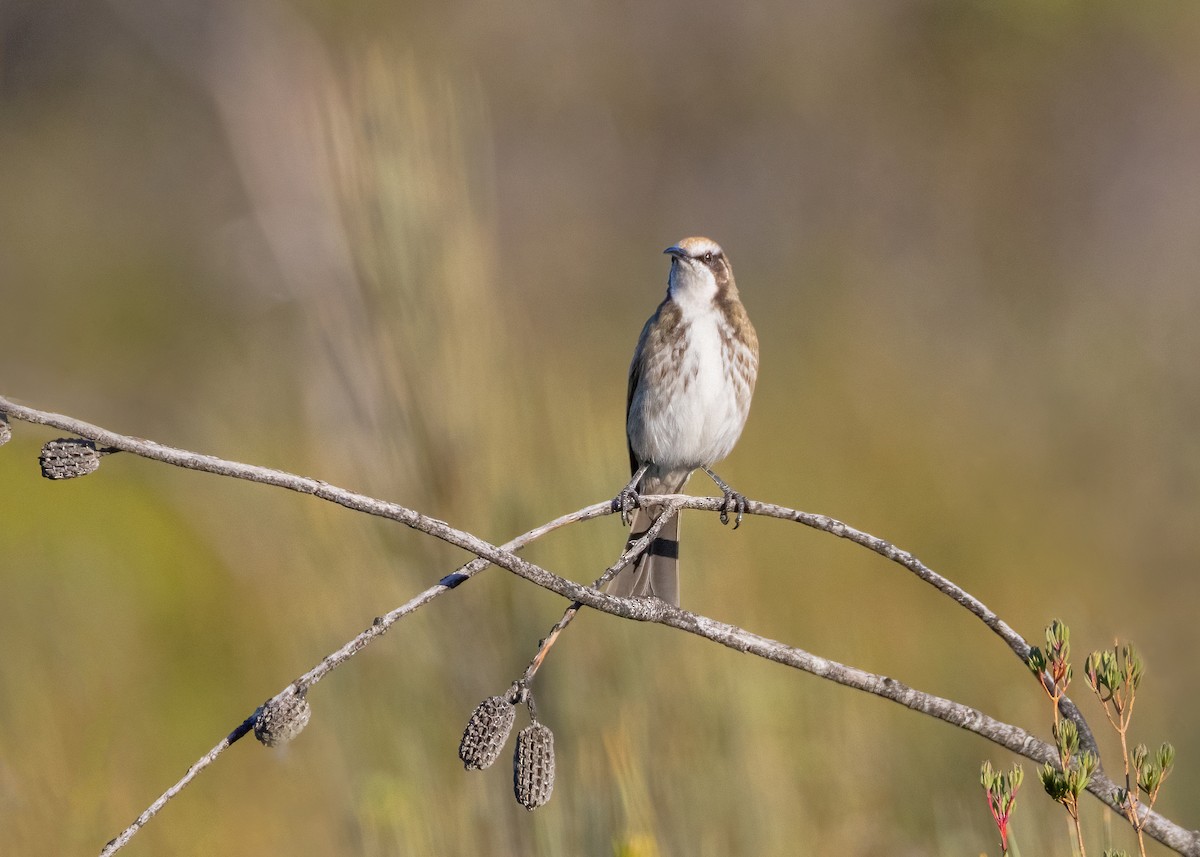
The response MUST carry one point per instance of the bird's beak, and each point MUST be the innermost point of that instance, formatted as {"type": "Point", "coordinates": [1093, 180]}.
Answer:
{"type": "Point", "coordinates": [676, 251]}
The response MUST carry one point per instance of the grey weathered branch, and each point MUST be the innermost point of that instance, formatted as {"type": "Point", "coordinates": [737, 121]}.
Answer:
{"type": "Point", "coordinates": [1006, 735]}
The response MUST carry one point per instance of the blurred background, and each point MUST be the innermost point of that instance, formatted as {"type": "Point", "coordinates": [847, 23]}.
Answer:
{"type": "Point", "coordinates": [407, 249]}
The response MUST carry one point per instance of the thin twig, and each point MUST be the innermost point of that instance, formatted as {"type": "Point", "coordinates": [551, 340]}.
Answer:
{"type": "Point", "coordinates": [647, 610]}
{"type": "Point", "coordinates": [948, 588]}
{"type": "Point", "coordinates": [634, 551]}
{"type": "Point", "coordinates": [332, 661]}
{"type": "Point", "coordinates": [117, 843]}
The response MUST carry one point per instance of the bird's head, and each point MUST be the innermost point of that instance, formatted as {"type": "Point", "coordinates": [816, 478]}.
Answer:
{"type": "Point", "coordinates": [699, 271]}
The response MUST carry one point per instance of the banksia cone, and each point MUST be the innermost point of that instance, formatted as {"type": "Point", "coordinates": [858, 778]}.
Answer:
{"type": "Point", "coordinates": [69, 457]}
{"type": "Point", "coordinates": [533, 766]}
{"type": "Point", "coordinates": [281, 720]}
{"type": "Point", "coordinates": [486, 733]}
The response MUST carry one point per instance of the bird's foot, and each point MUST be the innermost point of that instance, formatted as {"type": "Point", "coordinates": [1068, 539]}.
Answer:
{"type": "Point", "coordinates": [625, 503]}
{"type": "Point", "coordinates": [734, 502]}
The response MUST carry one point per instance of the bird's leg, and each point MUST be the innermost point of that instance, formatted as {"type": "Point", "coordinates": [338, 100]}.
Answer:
{"type": "Point", "coordinates": [734, 502]}
{"type": "Point", "coordinates": [626, 501]}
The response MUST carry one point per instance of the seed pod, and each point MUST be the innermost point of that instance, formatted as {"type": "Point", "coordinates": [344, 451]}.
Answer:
{"type": "Point", "coordinates": [486, 733]}
{"type": "Point", "coordinates": [281, 720]}
{"type": "Point", "coordinates": [5, 431]}
{"type": "Point", "coordinates": [533, 766]}
{"type": "Point", "coordinates": [69, 457]}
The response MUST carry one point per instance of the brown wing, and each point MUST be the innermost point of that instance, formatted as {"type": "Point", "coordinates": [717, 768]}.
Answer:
{"type": "Point", "coordinates": [635, 376]}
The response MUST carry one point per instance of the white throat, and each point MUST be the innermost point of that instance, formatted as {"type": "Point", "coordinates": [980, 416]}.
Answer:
{"type": "Point", "coordinates": [692, 286]}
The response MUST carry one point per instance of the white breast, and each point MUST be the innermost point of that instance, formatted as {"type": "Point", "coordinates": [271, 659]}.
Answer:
{"type": "Point", "coordinates": [692, 417]}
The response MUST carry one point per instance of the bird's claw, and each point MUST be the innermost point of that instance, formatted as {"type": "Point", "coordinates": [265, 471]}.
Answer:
{"type": "Point", "coordinates": [625, 503]}
{"type": "Point", "coordinates": [734, 502]}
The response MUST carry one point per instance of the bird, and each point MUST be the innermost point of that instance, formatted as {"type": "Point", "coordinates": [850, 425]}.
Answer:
{"type": "Point", "coordinates": [690, 383]}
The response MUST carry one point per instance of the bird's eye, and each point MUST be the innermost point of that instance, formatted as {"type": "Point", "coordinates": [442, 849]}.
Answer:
{"type": "Point", "coordinates": [708, 258]}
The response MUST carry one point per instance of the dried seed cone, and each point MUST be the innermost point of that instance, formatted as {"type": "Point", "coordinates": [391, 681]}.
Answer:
{"type": "Point", "coordinates": [281, 720]}
{"type": "Point", "coordinates": [5, 431]}
{"type": "Point", "coordinates": [69, 457]}
{"type": "Point", "coordinates": [533, 766]}
{"type": "Point", "coordinates": [486, 733]}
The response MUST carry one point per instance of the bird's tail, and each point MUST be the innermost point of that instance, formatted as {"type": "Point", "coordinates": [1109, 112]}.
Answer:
{"type": "Point", "coordinates": [656, 572]}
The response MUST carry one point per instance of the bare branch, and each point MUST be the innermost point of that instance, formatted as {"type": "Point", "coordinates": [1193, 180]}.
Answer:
{"type": "Point", "coordinates": [117, 843]}
{"type": "Point", "coordinates": [378, 628]}
{"type": "Point", "coordinates": [646, 610]}
{"type": "Point", "coordinates": [951, 590]}
{"type": "Point", "coordinates": [572, 611]}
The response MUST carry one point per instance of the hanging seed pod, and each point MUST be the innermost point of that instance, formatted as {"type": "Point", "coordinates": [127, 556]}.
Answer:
{"type": "Point", "coordinates": [5, 430]}
{"type": "Point", "coordinates": [533, 766]}
{"type": "Point", "coordinates": [486, 733]}
{"type": "Point", "coordinates": [69, 457]}
{"type": "Point", "coordinates": [281, 720]}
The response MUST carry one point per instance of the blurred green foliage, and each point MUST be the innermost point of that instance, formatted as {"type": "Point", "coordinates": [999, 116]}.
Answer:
{"type": "Point", "coordinates": [407, 248]}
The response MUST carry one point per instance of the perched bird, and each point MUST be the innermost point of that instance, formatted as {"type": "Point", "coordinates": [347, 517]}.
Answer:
{"type": "Point", "coordinates": [690, 385]}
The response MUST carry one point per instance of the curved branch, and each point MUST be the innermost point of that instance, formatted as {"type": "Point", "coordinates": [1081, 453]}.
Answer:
{"type": "Point", "coordinates": [646, 610]}
{"type": "Point", "coordinates": [948, 588]}
{"type": "Point", "coordinates": [333, 660]}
